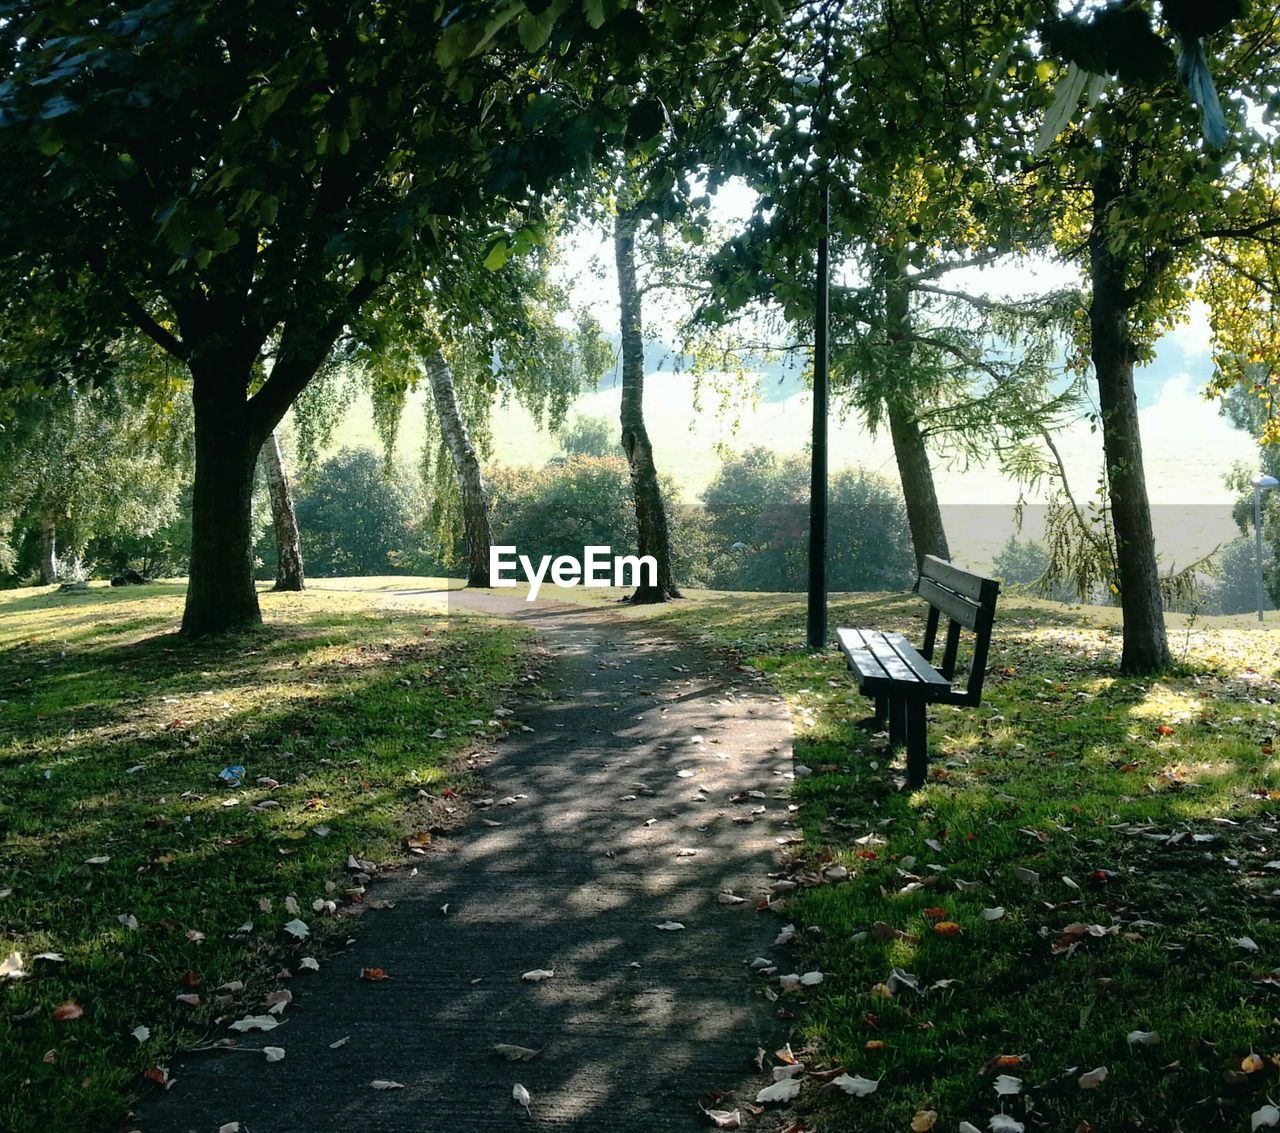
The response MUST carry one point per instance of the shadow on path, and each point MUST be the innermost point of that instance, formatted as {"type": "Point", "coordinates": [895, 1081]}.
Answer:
{"type": "Point", "coordinates": [637, 744]}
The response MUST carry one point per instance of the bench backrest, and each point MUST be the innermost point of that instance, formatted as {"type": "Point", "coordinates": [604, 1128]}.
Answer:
{"type": "Point", "coordinates": [969, 601]}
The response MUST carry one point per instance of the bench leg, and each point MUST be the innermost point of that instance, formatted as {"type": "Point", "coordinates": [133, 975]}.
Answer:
{"type": "Point", "coordinates": [882, 710]}
{"type": "Point", "coordinates": [917, 744]}
{"type": "Point", "coordinates": [897, 722]}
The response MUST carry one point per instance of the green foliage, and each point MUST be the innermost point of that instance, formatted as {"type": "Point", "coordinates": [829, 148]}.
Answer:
{"type": "Point", "coordinates": [589, 436]}
{"type": "Point", "coordinates": [356, 516]}
{"type": "Point", "coordinates": [105, 463]}
{"type": "Point", "coordinates": [757, 515]}
{"type": "Point", "coordinates": [586, 501]}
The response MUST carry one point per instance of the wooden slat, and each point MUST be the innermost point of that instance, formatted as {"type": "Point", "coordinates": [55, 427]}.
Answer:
{"type": "Point", "coordinates": [963, 582]}
{"type": "Point", "coordinates": [954, 605]}
{"type": "Point", "coordinates": [889, 659]}
{"type": "Point", "coordinates": [919, 664]}
{"type": "Point", "coordinates": [859, 656]}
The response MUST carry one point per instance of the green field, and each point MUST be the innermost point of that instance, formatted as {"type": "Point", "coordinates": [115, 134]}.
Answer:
{"type": "Point", "coordinates": [144, 875]}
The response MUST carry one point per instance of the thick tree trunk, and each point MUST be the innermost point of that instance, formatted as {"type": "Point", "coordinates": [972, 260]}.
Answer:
{"type": "Point", "coordinates": [928, 536]}
{"type": "Point", "coordinates": [475, 500]}
{"type": "Point", "coordinates": [289, 573]}
{"type": "Point", "coordinates": [48, 547]}
{"type": "Point", "coordinates": [220, 591]}
{"type": "Point", "coordinates": [1146, 648]}
{"type": "Point", "coordinates": [651, 514]}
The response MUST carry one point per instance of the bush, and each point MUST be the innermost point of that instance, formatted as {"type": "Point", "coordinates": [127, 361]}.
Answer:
{"type": "Point", "coordinates": [1021, 563]}
{"type": "Point", "coordinates": [356, 517]}
{"type": "Point", "coordinates": [586, 501]}
{"type": "Point", "coordinates": [757, 517]}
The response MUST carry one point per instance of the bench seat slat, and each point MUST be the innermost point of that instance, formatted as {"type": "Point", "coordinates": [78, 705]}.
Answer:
{"type": "Point", "coordinates": [954, 605]}
{"type": "Point", "coordinates": [887, 662]}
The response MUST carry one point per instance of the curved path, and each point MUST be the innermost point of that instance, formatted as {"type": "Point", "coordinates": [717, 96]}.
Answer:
{"type": "Point", "coordinates": [622, 821]}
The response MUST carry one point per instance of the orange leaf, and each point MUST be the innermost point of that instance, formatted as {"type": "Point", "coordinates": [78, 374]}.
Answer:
{"type": "Point", "coordinates": [873, 1044]}
{"type": "Point", "coordinates": [936, 914]}
{"type": "Point", "coordinates": [157, 1074]}
{"type": "Point", "coordinates": [66, 1011]}
{"type": "Point", "coordinates": [419, 841]}
{"type": "Point", "coordinates": [1165, 730]}
{"type": "Point", "coordinates": [373, 974]}
{"type": "Point", "coordinates": [1251, 1064]}
{"type": "Point", "coordinates": [946, 928]}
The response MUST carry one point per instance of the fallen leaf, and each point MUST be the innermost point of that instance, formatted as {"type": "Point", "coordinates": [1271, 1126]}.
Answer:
{"type": "Point", "coordinates": [1143, 1038]}
{"type": "Point", "coordinates": [65, 1012]}
{"type": "Point", "coordinates": [783, 1091]}
{"type": "Point", "coordinates": [11, 968]}
{"type": "Point", "coordinates": [1268, 1117]}
{"type": "Point", "coordinates": [1245, 942]}
{"type": "Point", "coordinates": [229, 1127]}
{"type": "Point", "coordinates": [514, 1053]}
{"type": "Point", "coordinates": [274, 1053]}
{"type": "Point", "coordinates": [1093, 1079]}
{"type": "Point", "coordinates": [141, 1033]}
{"type": "Point", "coordinates": [1003, 1123]}
{"type": "Point", "coordinates": [1026, 876]}
{"type": "Point", "coordinates": [924, 1120]}
{"type": "Point", "coordinates": [277, 1001]}
{"type": "Point", "coordinates": [340, 1042]}
{"type": "Point", "coordinates": [670, 926]}
{"type": "Point", "coordinates": [1251, 1064]}
{"type": "Point", "coordinates": [256, 1023]}
{"type": "Point", "coordinates": [731, 899]}
{"type": "Point", "coordinates": [385, 1084]}
{"type": "Point", "coordinates": [724, 1118]}
{"type": "Point", "coordinates": [1006, 1085]}
{"type": "Point", "coordinates": [947, 928]}
{"type": "Point", "coordinates": [855, 1085]}
{"type": "Point", "coordinates": [537, 975]}
{"type": "Point", "coordinates": [993, 914]}
{"type": "Point", "coordinates": [101, 859]}
{"type": "Point", "coordinates": [298, 929]}
{"type": "Point", "coordinates": [521, 1096]}
{"type": "Point", "coordinates": [189, 998]}
{"type": "Point", "coordinates": [128, 920]}
{"type": "Point", "coordinates": [309, 962]}
{"type": "Point", "coordinates": [374, 975]}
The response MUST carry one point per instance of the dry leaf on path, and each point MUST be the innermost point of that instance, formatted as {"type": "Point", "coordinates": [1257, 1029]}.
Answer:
{"type": "Point", "coordinates": [783, 1091]}
{"type": "Point", "coordinates": [924, 1120]}
{"type": "Point", "coordinates": [514, 1053]}
{"type": "Point", "coordinates": [670, 926]}
{"type": "Point", "coordinates": [256, 1023]}
{"type": "Point", "coordinates": [724, 1118]}
{"type": "Point", "coordinates": [521, 1097]}
{"type": "Point", "coordinates": [386, 1084]}
{"type": "Point", "coordinates": [1268, 1117]}
{"type": "Point", "coordinates": [297, 929]}
{"type": "Point", "coordinates": [537, 975]}
{"type": "Point", "coordinates": [274, 1053]}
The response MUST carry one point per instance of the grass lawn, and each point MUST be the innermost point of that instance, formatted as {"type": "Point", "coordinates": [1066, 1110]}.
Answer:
{"type": "Point", "coordinates": [1107, 849]}
{"type": "Point", "coordinates": [147, 876]}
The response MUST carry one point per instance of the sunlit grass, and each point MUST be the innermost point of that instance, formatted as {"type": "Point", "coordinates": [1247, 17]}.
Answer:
{"type": "Point", "coordinates": [112, 735]}
{"type": "Point", "coordinates": [1080, 776]}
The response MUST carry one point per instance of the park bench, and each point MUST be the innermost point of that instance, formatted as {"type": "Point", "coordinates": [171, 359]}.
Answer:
{"type": "Point", "coordinates": [904, 680]}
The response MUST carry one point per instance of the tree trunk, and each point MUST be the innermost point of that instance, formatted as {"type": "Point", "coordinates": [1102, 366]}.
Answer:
{"type": "Point", "coordinates": [48, 547]}
{"type": "Point", "coordinates": [651, 515]}
{"type": "Point", "coordinates": [475, 500]}
{"type": "Point", "coordinates": [289, 573]}
{"type": "Point", "coordinates": [928, 536]}
{"type": "Point", "coordinates": [1146, 648]}
{"type": "Point", "coordinates": [220, 591]}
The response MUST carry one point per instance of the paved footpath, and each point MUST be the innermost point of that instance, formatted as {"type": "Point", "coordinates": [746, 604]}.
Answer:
{"type": "Point", "coordinates": [638, 742]}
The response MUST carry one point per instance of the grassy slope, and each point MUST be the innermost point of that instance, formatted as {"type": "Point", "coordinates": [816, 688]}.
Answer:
{"type": "Point", "coordinates": [112, 734]}
{"type": "Point", "coordinates": [1071, 772]}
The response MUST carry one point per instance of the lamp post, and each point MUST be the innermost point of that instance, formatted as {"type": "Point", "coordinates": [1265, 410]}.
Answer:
{"type": "Point", "coordinates": [812, 89]}
{"type": "Point", "coordinates": [1261, 483]}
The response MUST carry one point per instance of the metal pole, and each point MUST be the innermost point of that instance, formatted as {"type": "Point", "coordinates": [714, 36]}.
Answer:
{"type": "Point", "coordinates": [1257, 534]}
{"type": "Point", "coordinates": [817, 624]}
